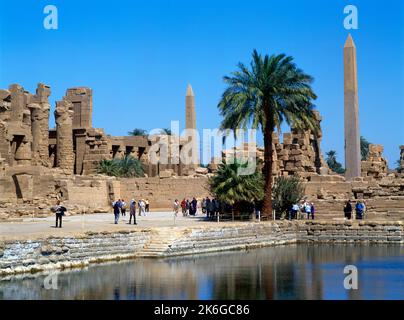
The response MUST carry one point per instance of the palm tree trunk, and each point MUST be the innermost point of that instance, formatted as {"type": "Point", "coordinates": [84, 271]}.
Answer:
{"type": "Point", "coordinates": [267, 205]}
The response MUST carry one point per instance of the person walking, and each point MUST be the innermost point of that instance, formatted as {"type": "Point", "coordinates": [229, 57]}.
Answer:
{"type": "Point", "coordinates": [143, 207]}
{"type": "Point", "coordinates": [359, 207]}
{"type": "Point", "coordinates": [208, 206]}
{"type": "Point", "coordinates": [348, 210]}
{"type": "Point", "coordinates": [217, 208]}
{"type": "Point", "coordinates": [295, 210]}
{"type": "Point", "coordinates": [176, 207]}
{"type": "Point", "coordinates": [203, 205]}
{"type": "Point", "coordinates": [59, 212]}
{"type": "Point", "coordinates": [132, 212]}
{"type": "Point", "coordinates": [307, 209]}
{"type": "Point", "coordinates": [147, 205]}
{"type": "Point", "coordinates": [123, 208]}
{"type": "Point", "coordinates": [117, 207]}
{"type": "Point", "coordinates": [188, 207]}
{"type": "Point", "coordinates": [312, 210]}
{"type": "Point", "coordinates": [139, 205]}
{"type": "Point", "coordinates": [184, 207]}
{"type": "Point", "coordinates": [194, 205]}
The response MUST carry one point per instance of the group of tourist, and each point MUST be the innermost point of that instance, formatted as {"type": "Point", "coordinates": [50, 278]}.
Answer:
{"type": "Point", "coordinates": [304, 208]}
{"type": "Point", "coordinates": [360, 210]}
{"type": "Point", "coordinates": [210, 207]}
{"type": "Point", "coordinates": [120, 206]}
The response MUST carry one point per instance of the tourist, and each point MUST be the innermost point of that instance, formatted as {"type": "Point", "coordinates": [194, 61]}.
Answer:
{"type": "Point", "coordinates": [208, 207]}
{"type": "Point", "coordinates": [59, 210]}
{"type": "Point", "coordinates": [143, 207]}
{"type": "Point", "coordinates": [132, 211]}
{"type": "Point", "coordinates": [139, 205]}
{"type": "Point", "coordinates": [295, 209]}
{"type": "Point", "coordinates": [348, 210]}
{"type": "Point", "coordinates": [312, 210]}
{"type": "Point", "coordinates": [147, 205]}
{"type": "Point", "coordinates": [123, 208]}
{"type": "Point", "coordinates": [176, 207]}
{"type": "Point", "coordinates": [203, 204]}
{"type": "Point", "coordinates": [184, 207]}
{"type": "Point", "coordinates": [359, 208]}
{"type": "Point", "coordinates": [117, 207]}
{"type": "Point", "coordinates": [194, 204]}
{"type": "Point", "coordinates": [188, 206]}
{"type": "Point", "coordinates": [217, 208]}
{"type": "Point", "coordinates": [307, 209]}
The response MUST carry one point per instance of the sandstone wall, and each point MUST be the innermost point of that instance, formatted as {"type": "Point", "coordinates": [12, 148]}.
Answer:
{"type": "Point", "coordinates": [162, 192]}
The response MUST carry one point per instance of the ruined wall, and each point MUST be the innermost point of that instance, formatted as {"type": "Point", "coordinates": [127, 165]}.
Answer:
{"type": "Point", "coordinates": [375, 165]}
{"type": "Point", "coordinates": [65, 157]}
{"type": "Point", "coordinates": [40, 108]}
{"type": "Point", "coordinates": [161, 193]}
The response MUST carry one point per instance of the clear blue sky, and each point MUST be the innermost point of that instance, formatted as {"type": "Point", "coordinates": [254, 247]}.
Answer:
{"type": "Point", "coordinates": [138, 57]}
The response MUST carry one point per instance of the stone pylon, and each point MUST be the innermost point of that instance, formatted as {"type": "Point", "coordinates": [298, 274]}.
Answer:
{"type": "Point", "coordinates": [351, 107]}
{"type": "Point", "coordinates": [190, 123]}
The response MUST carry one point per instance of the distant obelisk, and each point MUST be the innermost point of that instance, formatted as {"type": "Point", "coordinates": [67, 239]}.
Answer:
{"type": "Point", "coordinates": [190, 121]}
{"type": "Point", "coordinates": [351, 118]}
{"type": "Point", "coordinates": [190, 117]}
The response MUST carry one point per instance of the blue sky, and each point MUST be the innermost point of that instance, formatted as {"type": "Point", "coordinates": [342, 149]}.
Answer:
{"type": "Point", "coordinates": [138, 57]}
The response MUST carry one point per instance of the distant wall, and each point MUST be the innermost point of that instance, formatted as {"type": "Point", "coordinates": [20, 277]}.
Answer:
{"type": "Point", "coordinates": [161, 193]}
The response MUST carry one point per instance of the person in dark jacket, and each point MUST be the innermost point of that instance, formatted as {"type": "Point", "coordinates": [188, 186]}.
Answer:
{"type": "Point", "coordinates": [348, 210]}
{"type": "Point", "coordinates": [60, 212]}
{"type": "Point", "coordinates": [211, 208]}
{"type": "Point", "coordinates": [117, 208]}
{"type": "Point", "coordinates": [207, 207]}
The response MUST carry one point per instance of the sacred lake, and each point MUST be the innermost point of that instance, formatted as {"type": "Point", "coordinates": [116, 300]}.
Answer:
{"type": "Point", "coordinates": [297, 271]}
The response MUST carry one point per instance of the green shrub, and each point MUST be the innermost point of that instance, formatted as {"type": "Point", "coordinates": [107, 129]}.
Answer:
{"type": "Point", "coordinates": [287, 191]}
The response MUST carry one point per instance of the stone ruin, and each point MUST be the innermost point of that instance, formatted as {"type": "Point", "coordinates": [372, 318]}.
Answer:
{"type": "Point", "coordinates": [375, 165]}
{"type": "Point", "coordinates": [299, 153]}
{"type": "Point", "coordinates": [39, 165]}
{"type": "Point", "coordinates": [74, 147]}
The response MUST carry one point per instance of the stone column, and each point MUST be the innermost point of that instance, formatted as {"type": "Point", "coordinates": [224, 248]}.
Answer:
{"type": "Point", "coordinates": [402, 158]}
{"type": "Point", "coordinates": [351, 105]}
{"type": "Point", "coordinates": [64, 136]}
{"type": "Point", "coordinates": [40, 125]}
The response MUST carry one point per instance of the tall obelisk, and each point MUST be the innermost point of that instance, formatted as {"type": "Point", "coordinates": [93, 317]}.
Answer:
{"type": "Point", "coordinates": [190, 118]}
{"type": "Point", "coordinates": [351, 106]}
{"type": "Point", "coordinates": [190, 122]}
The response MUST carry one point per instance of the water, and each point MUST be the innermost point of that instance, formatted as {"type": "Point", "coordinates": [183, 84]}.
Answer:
{"type": "Point", "coordinates": [289, 272]}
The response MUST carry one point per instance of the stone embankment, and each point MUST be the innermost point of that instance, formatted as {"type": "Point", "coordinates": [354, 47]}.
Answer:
{"type": "Point", "coordinates": [91, 247]}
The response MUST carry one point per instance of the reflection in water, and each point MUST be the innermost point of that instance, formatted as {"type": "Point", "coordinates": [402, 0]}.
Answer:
{"type": "Point", "coordinates": [290, 272]}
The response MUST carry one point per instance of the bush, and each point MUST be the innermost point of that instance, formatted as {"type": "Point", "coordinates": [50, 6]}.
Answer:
{"type": "Point", "coordinates": [287, 191]}
{"type": "Point", "coordinates": [127, 167]}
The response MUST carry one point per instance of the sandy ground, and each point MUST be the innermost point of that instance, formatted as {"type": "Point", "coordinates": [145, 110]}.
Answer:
{"type": "Point", "coordinates": [31, 228]}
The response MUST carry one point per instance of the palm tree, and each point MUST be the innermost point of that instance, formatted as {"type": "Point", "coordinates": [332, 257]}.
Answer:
{"type": "Point", "coordinates": [272, 91]}
{"type": "Point", "coordinates": [138, 132]}
{"type": "Point", "coordinates": [126, 167]}
{"type": "Point", "coordinates": [166, 131]}
{"type": "Point", "coordinates": [231, 188]}
{"type": "Point", "coordinates": [333, 163]}
{"type": "Point", "coordinates": [364, 148]}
